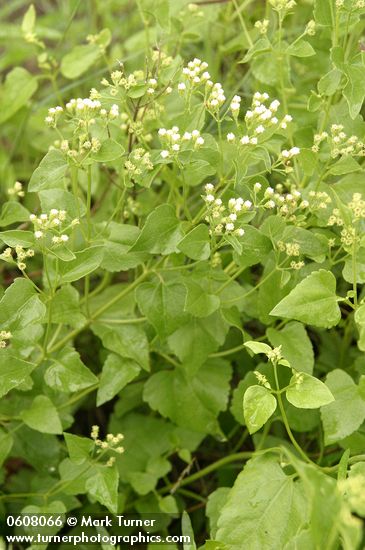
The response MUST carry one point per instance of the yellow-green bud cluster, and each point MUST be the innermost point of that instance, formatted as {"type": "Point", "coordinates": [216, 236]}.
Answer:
{"type": "Point", "coordinates": [274, 355]}
{"type": "Point", "coordinates": [344, 145]}
{"type": "Point", "coordinates": [20, 256]}
{"type": "Point", "coordinates": [16, 190]}
{"type": "Point", "coordinates": [261, 378]}
{"type": "Point", "coordinates": [4, 338]}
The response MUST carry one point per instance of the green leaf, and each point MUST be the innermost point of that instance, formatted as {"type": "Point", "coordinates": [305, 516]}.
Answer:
{"type": "Point", "coordinates": [196, 243]}
{"type": "Point", "coordinates": [87, 261]}
{"type": "Point", "coordinates": [28, 21]}
{"type": "Point", "coordinates": [18, 88]}
{"type": "Point", "coordinates": [263, 515]}
{"type": "Point", "coordinates": [194, 341]}
{"type": "Point", "coordinates": [109, 150]}
{"type": "Point", "coordinates": [79, 60]}
{"type": "Point", "coordinates": [128, 341]}
{"type": "Point", "coordinates": [116, 374]}
{"type": "Point", "coordinates": [79, 448]}
{"type": "Point", "coordinates": [312, 301]}
{"type": "Point", "coordinates": [354, 89]}
{"type": "Point", "coordinates": [163, 305]}
{"type": "Point", "coordinates": [346, 414]}
{"type": "Point", "coordinates": [330, 82]}
{"type": "Point", "coordinates": [323, 12]}
{"type": "Point", "coordinates": [302, 48]}
{"type": "Point", "coordinates": [12, 212]}
{"type": "Point", "coordinates": [42, 416]}
{"type": "Point", "coordinates": [258, 405]}
{"type": "Point", "coordinates": [346, 165]}
{"type": "Point", "coordinates": [257, 347]}
{"type": "Point", "coordinates": [308, 392]}
{"type": "Point", "coordinates": [13, 372]}
{"type": "Point", "coordinates": [6, 443]}
{"type": "Point", "coordinates": [161, 233]}
{"type": "Point", "coordinates": [187, 531]}
{"type": "Point", "coordinates": [68, 373]}
{"type": "Point", "coordinates": [20, 306]}
{"type": "Point", "coordinates": [17, 237]}
{"type": "Point", "coordinates": [103, 486]}
{"type": "Point", "coordinates": [198, 302]}
{"type": "Point", "coordinates": [66, 307]}
{"type": "Point", "coordinates": [50, 172]}
{"type": "Point", "coordinates": [295, 344]}
{"type": "Point", "coordinates": [191, 402]}
{"type": "Point", "coordinates": [255, 247]}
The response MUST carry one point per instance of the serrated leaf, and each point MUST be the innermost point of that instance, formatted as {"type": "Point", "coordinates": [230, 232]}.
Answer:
{"type": "Point", "coordinates": [42, 416]}
{"type": "Point", "coordinates": [346, 414]}
{"type": "Point", "coordinates": [87, 261]}
{"type": "Point", "coordinates": [116, 374]}
{"type": "Point", "coordinates": [50, 172]}
{"type": "Point", "coordinates": [312, 301]}
{"type": "Point", "coordinates": [79, 60]}
{"type": "Point", "coordinates": [67, 372]}
{"type": "Point", "coordinates": [18, 88]}
{"type": "Point", "coordinates": [196, 244]}
{"type": "Point", "coordinates": [161, 232]}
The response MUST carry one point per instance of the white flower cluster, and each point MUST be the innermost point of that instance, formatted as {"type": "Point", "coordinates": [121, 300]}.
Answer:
{"type": "Point", "coordinates": [288, 204]}
{"type": "Point", "coordinates": [87, 109]}
{"type": "Point", "coordinates": [195, 74]}
{"type": "Point", "coordinates": [216, 98]}
{"type": "Point", "coordinates": [174, 141]}
{"type": "Point", "coordinates": [54, 114]}
{"type": "Point", "coordinates": [138, 162]}
{"type": "Point", "coordinates": [20, 254]}
{"type": "Point", "coordinates": [53, 223]}
{"type": "Point", "coordinates": [341, 144]}
{"type": "Point", "coordinates": [235, 106]}
{"type": "Point", "coordinates": [5, 336]}
{"type": "Point", "coordinates": [223, 219]}
{"type": "Point", "coordinates": [259, 118]}
{"type": "Point", "coordinates": [16, 190]}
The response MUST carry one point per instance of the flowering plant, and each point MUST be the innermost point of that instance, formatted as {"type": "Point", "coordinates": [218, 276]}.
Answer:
{"type": "Point", "coordinates": [182, 266]}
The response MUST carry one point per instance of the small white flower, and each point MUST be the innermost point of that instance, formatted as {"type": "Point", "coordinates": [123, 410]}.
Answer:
{"type": "Point", "coordinates": [176, 147]}
{"type": "Point", "coordinates": [231, 137]}
{"type": "Point", "coordinates": [253, 141]}
{"type": "Point", "coordinates": [260, 129]}
{"type": "Point", "coordinates": [162, 132]}
{"type": "Point", "coordinates": [240, 232]}
{"type": "Point", "coordinates": [245, 140]}
{"type": "Point", "coordinates": [247, 204]}
{"type": "Point", "coordinates": [164, 154]}
{"type": "Point", "coordinates": [209, 187]}
{"type": "Point", "coordinates": [187, 136]}
{"type": "Point", "coordinates": [229, 226]}
{"type": "Point", "coordinates": [181, 87]}
{"type": "Point", "coordinates": [209, 198]}
{"type": "Point", "coordinates": [38, 234]}
{"type": "Point", "coordinates": [64, 238]}
{"type": "Point", "coordinates": [200, 141]}
{"type": "Point", "coordinates": [257, 186]}
{"type": "Point", "coordinates": [294, 151]}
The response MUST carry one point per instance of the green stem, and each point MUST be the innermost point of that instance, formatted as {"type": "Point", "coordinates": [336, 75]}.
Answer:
{"type": "Point", "coordinates": [285, 420]}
